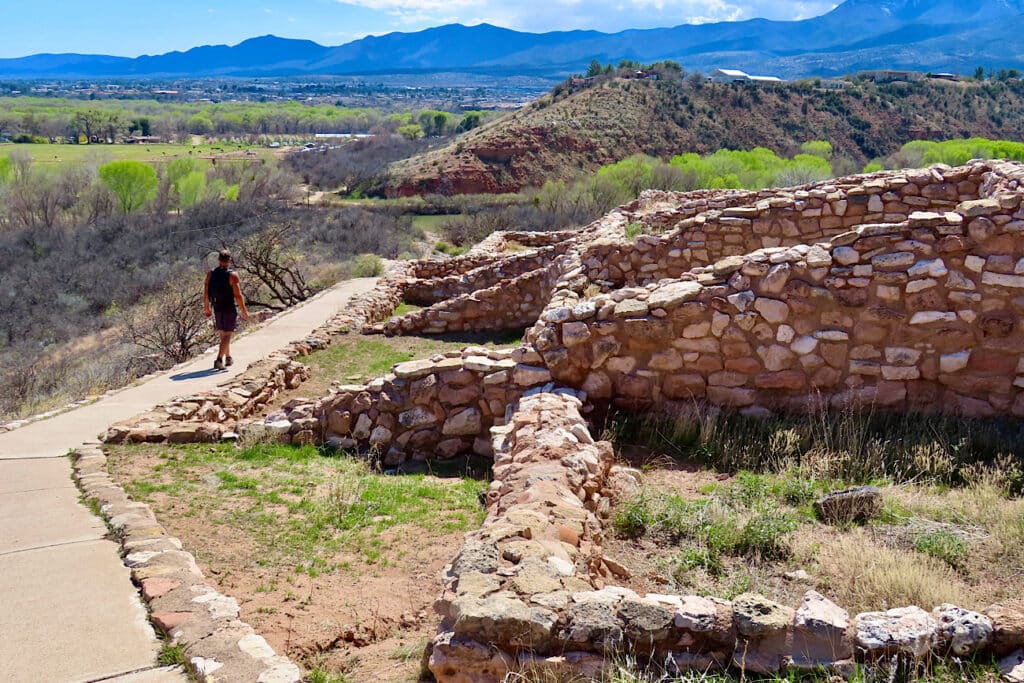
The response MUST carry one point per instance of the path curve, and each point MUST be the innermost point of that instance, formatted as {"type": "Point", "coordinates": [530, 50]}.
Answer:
{"type": "Point", "coordinates": [70, 612]}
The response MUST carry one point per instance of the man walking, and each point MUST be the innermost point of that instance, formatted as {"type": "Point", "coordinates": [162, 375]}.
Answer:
{"type": "Point", "coordinates": [222, 293]}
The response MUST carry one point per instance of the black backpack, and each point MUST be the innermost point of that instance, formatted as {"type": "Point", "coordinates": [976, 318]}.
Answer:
{"type": "Point", "coordinates": [222, 296]}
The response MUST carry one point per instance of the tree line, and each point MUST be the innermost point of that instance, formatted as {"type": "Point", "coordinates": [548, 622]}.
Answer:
{"type": "Point", "coordinates": [29, 119]}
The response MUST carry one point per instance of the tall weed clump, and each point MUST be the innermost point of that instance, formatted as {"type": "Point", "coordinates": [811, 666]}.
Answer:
{"type": "Point", "coordinates": [853, 446]}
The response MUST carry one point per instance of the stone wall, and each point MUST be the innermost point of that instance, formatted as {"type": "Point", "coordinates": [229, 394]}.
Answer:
{"type": "Point", "coordinates": [210, 415]}
{"type": "Point", "coordinates": [507, 305]}
{"type": "Point", "coordinates": [918, 315]}
{"type": "Point", "coordinates": [426, 292]}
{"type": "Point", "coordinates": [530, 591]}
{"type": "Point", "coordinates": [703, 232]}
{"type": "Point", "coordinates": [439, 407]}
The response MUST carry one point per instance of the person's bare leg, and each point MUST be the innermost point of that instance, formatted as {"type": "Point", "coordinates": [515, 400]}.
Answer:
{"type": "Point", "coordinates": [225, 344]}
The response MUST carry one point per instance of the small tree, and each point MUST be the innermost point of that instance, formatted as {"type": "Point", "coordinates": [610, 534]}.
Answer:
{"type": "Point", "coordinates": [134, 183]}
{"type": "Point", "coordinates": [595, 68]}
{"type": "Point", "coordinates": [172, 324]}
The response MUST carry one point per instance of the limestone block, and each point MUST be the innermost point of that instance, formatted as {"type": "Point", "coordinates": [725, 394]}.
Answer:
{"type": "Point", "coordinates": [772, 310]}
{"type": "Point", "coordinates": [466, 422]}
{"type": "Point", "coordinates": [906, 630]}
{"type": "Point", "coordinates": [962, 631]}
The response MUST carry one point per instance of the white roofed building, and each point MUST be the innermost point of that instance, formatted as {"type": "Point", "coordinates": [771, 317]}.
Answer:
{"type": "Point", "coordinates": [737, 76]}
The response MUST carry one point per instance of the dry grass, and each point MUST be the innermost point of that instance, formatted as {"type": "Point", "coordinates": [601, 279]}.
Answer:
{"type": "Point", "coordinates": [865, 575]}
{"type": "Point", "coordinates": [983, 506]}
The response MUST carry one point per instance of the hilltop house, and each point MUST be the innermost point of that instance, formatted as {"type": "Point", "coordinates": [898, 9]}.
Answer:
{"type": "Point", "coordinates": [737, 76]}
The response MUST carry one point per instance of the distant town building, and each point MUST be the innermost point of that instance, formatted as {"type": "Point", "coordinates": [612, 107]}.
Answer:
{"type": "Point", "coordinates": [944, 77]}
{"type": "Point", "coordinates": [891, 76]}
{"type": "Point", "coordinates": [737, 76]}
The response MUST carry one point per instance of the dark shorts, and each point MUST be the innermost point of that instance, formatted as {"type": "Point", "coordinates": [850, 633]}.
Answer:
{"type": "Point", "coordinates": [225, 321]}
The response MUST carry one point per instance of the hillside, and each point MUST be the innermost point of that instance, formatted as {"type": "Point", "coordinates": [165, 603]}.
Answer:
{"type": "Point", "coordinates": [929, 35]}
{"type": "Point", "coordinates": [572, 131]}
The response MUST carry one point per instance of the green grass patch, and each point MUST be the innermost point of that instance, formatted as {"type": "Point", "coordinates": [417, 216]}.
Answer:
{"type": "Point", "coordinates": [61, 154]}
{"type": "Point", "coordinates": [747, 518]}
{"type": "Point", "coordinates": [943, 545]}
{"type": "Point", "coordinates": [447, 249]}
{"type": "Point", "coordinates": [404, 308]}
{"type": "Point", "coordinates": [430, 223]}
{"type": "Point", "coordinates": [172, 655]}
{"type": "Point", "coordinates": [301, 506]}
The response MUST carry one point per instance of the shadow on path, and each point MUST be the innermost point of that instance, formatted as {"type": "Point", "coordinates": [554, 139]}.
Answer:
{"type": "Point", "coordinates": [198, 374]}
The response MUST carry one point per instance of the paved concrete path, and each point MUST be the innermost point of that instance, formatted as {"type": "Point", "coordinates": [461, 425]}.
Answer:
{"type": "Point", "coordinates": [68, 609]}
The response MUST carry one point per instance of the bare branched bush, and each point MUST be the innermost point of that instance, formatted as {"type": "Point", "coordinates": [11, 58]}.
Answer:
{"type": "Point", "coordinates": [172, 324]}
{"type": "Point", "coordinates": [269, 257]}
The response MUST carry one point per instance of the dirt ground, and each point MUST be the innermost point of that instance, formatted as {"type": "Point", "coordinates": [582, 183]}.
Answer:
{"type": "Point", "coordinates": [359, 607]}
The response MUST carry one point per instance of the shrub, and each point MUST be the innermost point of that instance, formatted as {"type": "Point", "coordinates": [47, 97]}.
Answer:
{"type": "Point", "coordinates": [367, 265]}
{"type": "Point", "coordinates": [942, 545]}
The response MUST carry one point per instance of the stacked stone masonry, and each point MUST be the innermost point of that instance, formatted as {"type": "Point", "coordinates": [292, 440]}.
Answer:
{"type": "Point", "coordinates": [440, 407]}
{"type": "Point", "coordinates": [918, 315]}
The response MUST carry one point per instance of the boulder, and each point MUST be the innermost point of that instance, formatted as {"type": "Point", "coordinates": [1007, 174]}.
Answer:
{"type": "Point", "coordinates": [852, 505]}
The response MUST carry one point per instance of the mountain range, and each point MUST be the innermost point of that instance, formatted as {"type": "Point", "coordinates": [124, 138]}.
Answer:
{"type": "Point", "coordinates": [927, 35]}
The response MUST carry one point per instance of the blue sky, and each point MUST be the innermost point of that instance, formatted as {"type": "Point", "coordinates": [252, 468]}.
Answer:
{"type": "Point", "coordinates": [117, 27]}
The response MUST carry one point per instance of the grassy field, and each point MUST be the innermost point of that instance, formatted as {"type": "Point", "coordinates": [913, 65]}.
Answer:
{"type": "Point", "coordinates": [57, 155]}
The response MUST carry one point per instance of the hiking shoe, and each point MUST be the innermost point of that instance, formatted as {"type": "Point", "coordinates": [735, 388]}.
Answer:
{"type": "Point", "coordinates": [228, 361]}
{"type": "Point", "coordinates": [218, 364]}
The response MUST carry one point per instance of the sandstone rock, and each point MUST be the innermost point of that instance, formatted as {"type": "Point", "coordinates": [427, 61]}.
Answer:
{"type": "Point", "coordinates": [852, 505]}
{"type": "Point", "coordinates": [772, 310]}
{"type": "Point", "coordinates": [466, 422]}
{"type": "Point", "coordinates": [672, 295]}
{"type": "Point", "coordinates": [820, 633]}
{"type": "Point", "coordinates": [631, 308]}
{"type": "Point", "coordinates": [906, 630]}
{"type": "Point", "coordinates": [755, 616]}
{"type": "Point", "coordinates": [1007, 628]}
{"type": "Point", "coordinates": [528, 375]}
{"type": "Point", "coordinates": [463, 660]}
{"type": "Point", "coordinates": [574, 334]}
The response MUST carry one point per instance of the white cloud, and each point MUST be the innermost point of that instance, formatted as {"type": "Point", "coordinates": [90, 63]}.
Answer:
{"type": "Point", "coordinates": [603, 15]}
